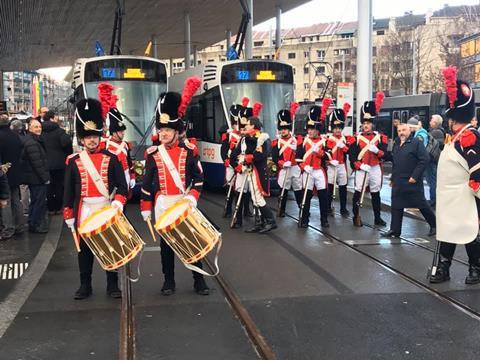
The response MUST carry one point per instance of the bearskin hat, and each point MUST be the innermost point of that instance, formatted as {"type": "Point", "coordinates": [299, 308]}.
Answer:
{"type": "Point", "coordinates": [371, 108]}
{"type": "Point", "coordinates": [235, 114]}
{"type": "Point", "coordinates": [338, 117]}
{"type": "Point", "coordinates": [460, 99]}
{"type": "Point", "coordinates": [88, 118]}
{"type": "Point", "coordinates": [313, 118]}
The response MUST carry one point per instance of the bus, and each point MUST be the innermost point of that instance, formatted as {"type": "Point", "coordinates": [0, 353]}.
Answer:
{"type": "Point", "coordinates": [223, 84]}
{"type": "Point", "coordinates": [137, 81]}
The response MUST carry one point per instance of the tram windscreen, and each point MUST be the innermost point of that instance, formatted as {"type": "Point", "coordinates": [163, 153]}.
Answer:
{"type": "Point", "coordinates": [268, 82]}
{"type": "Point", "coordinates": [136, 82]}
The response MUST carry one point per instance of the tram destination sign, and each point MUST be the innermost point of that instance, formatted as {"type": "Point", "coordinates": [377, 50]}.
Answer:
{"type": "Point", "coordinates": [257, 71]}
{"type": "Point", "coordinates": [125, 69]}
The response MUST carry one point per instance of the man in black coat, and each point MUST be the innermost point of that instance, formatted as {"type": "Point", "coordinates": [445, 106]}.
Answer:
{"type": "Point", "coordinates": [37, 177]}
{"type": "Point", "coordinates": [58, 146]}
{"type": "Point", "coordinates": [10, 151]}
{"type": "Point", "coordinates": [4, 188]}
{"type": "Point", "coordinates": [409, 159]}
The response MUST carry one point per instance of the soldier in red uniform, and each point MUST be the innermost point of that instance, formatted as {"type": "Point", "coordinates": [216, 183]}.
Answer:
{"type": "Point", "coordinates": [336, 150]}
{"type": "Point", "coordinates": [312, 154]}
{"type": "Point", "coordinates": [117, 128]}
{"type": "Point", "coordinates": [83, 195]}
{"type": "Point", "coordinates": [284, 155]}
{"type": "Point", "coordinates": [172, 172]}
{"type": "Point", "coordinates": [230, 137]}
{"type": "Point", "coordinates": [366, 155]}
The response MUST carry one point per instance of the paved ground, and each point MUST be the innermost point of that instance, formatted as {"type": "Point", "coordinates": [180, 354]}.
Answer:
{"type": "Point", "coordinates": [310, 298]}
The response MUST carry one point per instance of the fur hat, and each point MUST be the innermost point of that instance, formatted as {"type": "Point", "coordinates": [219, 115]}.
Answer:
{"type": "Point", "coordinates": [88, 118]}
{"type": "Point", "coordinates": [371, 108]}
{"type": "Point", "coordinates": [460, 102]}
{"type": "Point", "coordinates": [338, 117]}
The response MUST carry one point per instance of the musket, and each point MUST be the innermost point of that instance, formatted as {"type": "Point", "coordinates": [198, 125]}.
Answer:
{"type": "Point", "coordinates": [239, 201]}
{"type": "Point", "coordinates": [282, 193]}
{"type": "Point", "coordinates": [433, 270]}
{"type": "Point", "coordinates": [229, 194]}
{"type": "Point", "coordinates": [364, 188]}
{"type": "Point", "coordinates": [334, 194]}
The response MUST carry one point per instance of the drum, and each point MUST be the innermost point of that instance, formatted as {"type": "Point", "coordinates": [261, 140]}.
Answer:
{"type": "Point", "coordinates": [111, 237]}
{"type": "Point", "coordinates": [190, 235]}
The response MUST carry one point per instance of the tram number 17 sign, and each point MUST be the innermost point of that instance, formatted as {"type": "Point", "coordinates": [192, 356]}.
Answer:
{"type": "Point", "coordinates": [345, 94]}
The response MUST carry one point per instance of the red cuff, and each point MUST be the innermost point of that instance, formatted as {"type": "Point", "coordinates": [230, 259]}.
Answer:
{"type": "Point", "coordinates": [238, 169]}
{"type": "Point", "coordinates": [145, 205]}
{"type": "Point", "coordinates": [249, 158]}
{"type": "Point", "coordinates": [475, 185]}
{"type": "Point", "coordinates": [345, 149]}
{"type": "Point", "coordinates": [232, 145]}
{"type": "Point", "coordinates": [194, 193]}
{"type": "Point", "coordinates": [280, 163]}
{"type": "Point", "coordinates": [121, 198]}
{"type": "Point", "coordinates": [67, 213]}
{"type": "Point", "coordinates": [380, 153]}
{"type": "Point", "coordinates": [226, 162]}
{"type": "Point", "coordinates": [357, 164]}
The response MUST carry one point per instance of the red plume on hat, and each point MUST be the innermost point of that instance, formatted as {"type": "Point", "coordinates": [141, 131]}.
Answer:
{"type": "Point", "coordinates": [346, 108]}
{"type": "Point", "coordinates": [191, 86]}
{"type": "Point", "coordinates": [293, 109]}
{"type": "Point", "coordinates": [245, 101]}
{"type": "Point", "coordinates": [257, 107]}
{"type": "Point", "coordinates": [379, 101]}
{"type": "Point", "coordinates": [325, 105]}
{"type": "Point", "coordinates": [450, 77]}
{"type": "Point", "coordinates": [104, 95]}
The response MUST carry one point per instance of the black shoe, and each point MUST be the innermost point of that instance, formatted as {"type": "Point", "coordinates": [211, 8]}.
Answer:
{"type": "Point", "coordinates": [83, 292]}
{"type": "Point", "coordinates": [168, 288]}
{"type": "Point", "coordinates": [38, 230]}
{"type": "Point", "coordinates": [304, 224]}
{"type": "Point", "coordinates": [391, 234]}
{"type": "Point", "coordinates": [268, 227]}
{"type": "Point", "coordinates": [473, 276]}
{"type": "Point", "coordinates": [344, 212]}
{"type": "Point", "coordinates": [432, 232]}
{"type": "Point", "coordinates": [254, 229]}
{"type": "Point", "coordinates": [248, 213]}
{"type": "Point", "coordinates": [324, 223]}
{"type": "Point", "coordinates": [380, 222]}
{"type": "Point", "coordinates": [237, 225]}
{"type": "Point", "coordinates": [114, 292]}
{"type": "Point", "coordinates": [200, 286]}
{"type": "Point", "coordinates": [442, 274]}
{"type": "Point", "coordinates": [281, 213]}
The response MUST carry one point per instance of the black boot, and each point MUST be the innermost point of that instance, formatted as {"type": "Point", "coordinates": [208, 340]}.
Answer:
{"type": "Point", "coordinates": [298, 197]}
{"type": "Point", "coordinates": [247, 197]}
{"type": "Point", "coordinates": [239, 219]}
{"type": "Point", "coordinates": [228, 207]}
{"type": "Point", "coordinates": [258, 223]}
{"type": "Point", "coordinates": [330, 199]}
{"type": "Point", "coordinates": [270, 223]}
{"type": "Point", "coordinates": [85, 289]}
{"type": "Point", "coordinates": [342, 192]}
{"type": "Point", "coordinates": [357, 221]}
{"type": "Point", "coordinates": [473, 276]}
{"type": "Point", "coordinates": [443, 271]}
{"type": "Point", "coordinates": [200, 286]}
{"type": "Point", "coordinates": [283, 204]}
{"type": "Point", "coordinates": [323, 200]}
{"type": "Point", "coordinates": [168, 287]}
{"type": "Point", "coordinates": [376, 205]}
{"type": "Point", "coordinates": [112, 285]}
{"type": "Point", "coordinates": [306, 210]}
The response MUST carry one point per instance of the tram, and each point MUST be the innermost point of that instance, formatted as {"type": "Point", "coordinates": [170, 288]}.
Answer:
{"type": "Point", "coordinates": [137, 81]}
{"type": "Point", "coordinates": [223, 84]}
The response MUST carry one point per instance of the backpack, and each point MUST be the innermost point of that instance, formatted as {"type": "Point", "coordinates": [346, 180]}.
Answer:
{"type": "Point", "coordinates": [433, 148]}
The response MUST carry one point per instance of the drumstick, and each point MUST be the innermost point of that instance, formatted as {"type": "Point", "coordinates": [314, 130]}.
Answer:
{"type": "Point", "coordinates": [150, 227]}
{"type": "Point", "coordinates": [76, 240]}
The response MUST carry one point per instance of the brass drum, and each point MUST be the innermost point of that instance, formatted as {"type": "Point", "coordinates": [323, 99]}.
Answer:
{"type": "Point", "coordinates": [111, 237]}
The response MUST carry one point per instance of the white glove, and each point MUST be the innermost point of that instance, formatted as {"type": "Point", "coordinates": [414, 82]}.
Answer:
{"type": "Point", "coordinates": [315, 147]}
{"type": "Point", "coordinates": [334, 163]}
{"type": "Point", "coordinates": [117, 204]}
{"type": "Point", "coordinates": [365, 167]}
{"type": "Point", "coordinates": [293, 147]}
{"type": "Point", "coordinates": [340, 145]}
{"type": "Point", "coordinates": [132, 183]}
{"type": "Point", "coordinates": [287, 164]}
{"type": "Point", "coordinates": [70, 223]}
{"type": "Point", "coordinates": [146, 214]}
{"type": "Point", "coordinates": [373, 148]}
{"type": "Point", "coordinates": [308, 169]}
{"type": "Point", "coordinates": [192, 199]}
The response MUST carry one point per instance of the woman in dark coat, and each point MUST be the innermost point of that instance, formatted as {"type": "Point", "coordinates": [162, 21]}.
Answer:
{"type": "Point", "coordinates": [409, 159]}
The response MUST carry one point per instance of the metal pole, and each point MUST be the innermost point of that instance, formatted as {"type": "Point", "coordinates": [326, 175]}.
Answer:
{"type": "Point", "coordinates": [414, 64]}
{"type": "Point", "coordinates": [188, 42]}
{"type": "Point", "coordinates": [343, 66]}
{"type": "Point", "coordinates": [364, 55]}
{"type": "Point", "coordinates": [170, 66]}
{"type": "Point", "coordinates": [278, 29]}
{"type": "Point", "coordinates": [228, 35]}
{"type": "Point", "coordinates": [155, 49]}
{"type": "Point", "coordinates": [195, 55]}
{"type": "Point", "coordinates": [249, 32]}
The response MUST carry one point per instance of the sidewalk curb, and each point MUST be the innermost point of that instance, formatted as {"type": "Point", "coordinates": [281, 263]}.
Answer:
{"type": "Point", "coordinates": [10, 308]}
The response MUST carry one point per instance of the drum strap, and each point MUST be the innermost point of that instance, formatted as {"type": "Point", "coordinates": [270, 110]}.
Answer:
{"type": "Point", "coordinates": [167, 160]}
{"type": "Point", "coordinates": [93, 172]}
{"type": "Point", "coordinates": [201, 271]}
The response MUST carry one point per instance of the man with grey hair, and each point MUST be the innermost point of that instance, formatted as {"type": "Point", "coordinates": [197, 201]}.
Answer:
{"type": "Point", "coordinates": [438, 133]}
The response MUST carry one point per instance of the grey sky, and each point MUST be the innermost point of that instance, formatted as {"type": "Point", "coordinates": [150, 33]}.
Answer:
{"type": "Point", "coordinates": [318, 11]}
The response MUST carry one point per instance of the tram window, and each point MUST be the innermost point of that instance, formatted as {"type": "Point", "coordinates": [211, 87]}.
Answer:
{"type": "Point", "coordinates": [194, 120]}
{"type": "Point", "coordinates": [422, 115]}
{"type": "Point", "coordinates": [396, 115]}
{"type": "Point", "coordinates": [213, 115]}
{"type": "Point", "coordinates": [404, 116]}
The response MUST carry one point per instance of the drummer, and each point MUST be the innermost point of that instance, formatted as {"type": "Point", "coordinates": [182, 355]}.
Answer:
{"type": "Point", "coordinates": [174, 171]}
{"type": "Point", "coordinates": [83, 195]}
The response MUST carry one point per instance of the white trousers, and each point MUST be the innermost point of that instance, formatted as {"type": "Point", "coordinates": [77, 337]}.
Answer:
{"type": "Point", "coordinates": [342, 176]}
{"type": "Point", "coordinates": [374, 179]}
{"type": "Point", "coordinates": [317, 178]}
{"type": "Point", "coordinates": [293, 178]}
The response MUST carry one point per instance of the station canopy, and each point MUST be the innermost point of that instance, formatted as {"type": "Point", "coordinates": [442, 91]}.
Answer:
{"type": "Point", "coordinates": [45, 33]}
